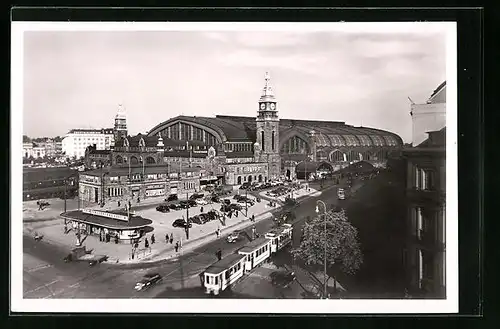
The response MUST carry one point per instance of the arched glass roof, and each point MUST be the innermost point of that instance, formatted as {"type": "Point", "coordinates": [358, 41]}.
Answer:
{"type": "Point", "coordinates": [377, 140]}
{"type": "Point", "coordinates": [390, 140]}
{"type": "Point", "coordinates": [322, 140]}
{"type": "Point", "coordinates": [351, 140]}
{"type": "Point", "coordinates": [337, 140]}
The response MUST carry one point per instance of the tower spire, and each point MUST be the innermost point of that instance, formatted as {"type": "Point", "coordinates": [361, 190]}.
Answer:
{"type": "Point", "coordinates": [267, 92]}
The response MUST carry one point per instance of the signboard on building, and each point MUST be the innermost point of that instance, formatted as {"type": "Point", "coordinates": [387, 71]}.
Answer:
{"type": "Point", "coordinates": [105, 214]}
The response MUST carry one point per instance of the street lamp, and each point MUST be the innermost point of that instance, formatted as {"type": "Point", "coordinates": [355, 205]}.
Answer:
{"type": "Point", "coordinates": [321, 204]}
{"type": "Point", "coordinates": [187, 216]}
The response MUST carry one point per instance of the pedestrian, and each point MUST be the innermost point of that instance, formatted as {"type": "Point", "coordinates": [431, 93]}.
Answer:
{"type": "Point", "coordinates": [119, 204]}
{"type": "Point", "coordinates": [253, 218]}
{"type": "Point", "coordinates": [129, 204]}
{"type": "Point", "coordinates": [146, 243]}
{"type": "Point", "coordinates": [167, 239]}
{"type": "Point", "coordinates": [171, 238]}
{"type": "Point", "coordinates": [116, 239]}
{"type": "Point", "coordinates": [219, 254]}
{"type": "Point", "coordinates": [217, 233]}
{"type": "Point", "coordinates": [177, 246]}
{"type": "Point", "coordinates": [201, 209]}
{"type": "Point", "coordinates": [152, 238]}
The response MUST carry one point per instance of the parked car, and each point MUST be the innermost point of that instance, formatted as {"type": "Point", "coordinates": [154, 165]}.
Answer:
{"type": "Point", "coordinates": [282, 279]}
{"type": "Point", "coordinates": [181, 222]}
{"type": "Point", "coordinates": [215, 198]}
{"type": "Point", "coordinates": [226, 201]}
{"type": "Point", "coordinates": [147, 281]}
{"type": "Point", "coordinates": [235, 236]}
{"type": "Point", "coordinates": [201, 202]}
{"type": "Point", "coordinates": [196, 219]}
{"type": "Point", "coordinates": [196, 196]}
{"type": "Point", "coordinates": [163, 208]}
{"type": "Point", "coordinates": [172, 197]}
{"type": "Point", "coordinates": [191, 203]}
{"type": "Point", "coordinates": [235, 206]}
{"type": "Point", "coordinates": [245, 186]}
{"type": "Point", "coordinates": [174, 206]}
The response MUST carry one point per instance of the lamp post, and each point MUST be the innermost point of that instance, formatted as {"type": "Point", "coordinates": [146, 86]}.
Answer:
{"type": "Point", "coordinates": [323, 205]}
{"type": "Point", "coordinates": [246, 203]}
{"type": "Point", "coordinates": [187, 216]}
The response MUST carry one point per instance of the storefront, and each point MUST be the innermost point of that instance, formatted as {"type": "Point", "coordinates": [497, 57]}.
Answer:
{"type": "Point", "coordinates": [120, 226]}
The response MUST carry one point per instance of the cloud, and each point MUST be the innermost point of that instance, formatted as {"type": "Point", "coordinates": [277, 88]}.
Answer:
{"type": "Point", "coordinates": [350, 77]}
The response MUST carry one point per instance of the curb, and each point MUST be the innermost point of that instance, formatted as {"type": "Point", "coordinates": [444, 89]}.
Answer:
{"type": "Point", "coordinates": [191, 245]}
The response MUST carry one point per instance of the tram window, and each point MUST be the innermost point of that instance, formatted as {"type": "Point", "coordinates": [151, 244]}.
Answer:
{"type": "Point", "coordinates": [216, 280]}
{"type": "Point", "coordinates": [227, 275]}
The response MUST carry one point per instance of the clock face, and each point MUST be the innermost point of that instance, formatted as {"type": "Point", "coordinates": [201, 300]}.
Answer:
{"type": "Point", "coordinates": [273, 106]}
{"type": "Point", "coordinates": [262, 106]}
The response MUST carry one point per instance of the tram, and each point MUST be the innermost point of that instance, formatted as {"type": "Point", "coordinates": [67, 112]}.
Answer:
{"type": "Point", "coordinates": [231, 268]}
{"type": "Point", "coordinates": [222, 274]}
{"type": "Point", "coordinates": [280, 237]}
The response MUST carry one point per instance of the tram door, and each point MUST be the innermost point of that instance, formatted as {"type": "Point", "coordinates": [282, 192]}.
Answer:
{"type": "Point", "coordinates": [251, 260]}
{"type": "Point", "coordinates": [96, 195]}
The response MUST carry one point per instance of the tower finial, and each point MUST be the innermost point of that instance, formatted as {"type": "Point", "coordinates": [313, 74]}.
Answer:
{"type": "Point", "coordinates": [268, 90]}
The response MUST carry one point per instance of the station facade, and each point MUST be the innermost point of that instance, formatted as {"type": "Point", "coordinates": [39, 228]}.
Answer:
{"type": "Point", "coordinates": [229, 150]}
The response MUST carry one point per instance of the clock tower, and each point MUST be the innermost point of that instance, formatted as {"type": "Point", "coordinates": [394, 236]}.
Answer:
{"type": "Point", "coordinates": [268, 130]}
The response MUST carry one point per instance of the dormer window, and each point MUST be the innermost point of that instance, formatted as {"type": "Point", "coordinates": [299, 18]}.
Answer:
{"type": "Point", "coordinates": [125, 142]}
{"type": "Point", "coordinates": [142, 143]}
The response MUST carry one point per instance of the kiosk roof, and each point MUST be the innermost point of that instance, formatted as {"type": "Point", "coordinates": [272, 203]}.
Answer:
{"type": "Point", "coordinates": [133, 223]}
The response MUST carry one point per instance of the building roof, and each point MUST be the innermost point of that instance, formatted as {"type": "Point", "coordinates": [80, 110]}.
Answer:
{"type": "Point", "coordinates": [224, 264]}
{"type": "Point", "coordinates": [148, 169]}
{"type": "Point", "coordinates": [436, 139]}
{"type": "Point", "coordinates": [133, 141]}
{"type": "Point", "coordinates": [91, 130]}
{"type": "Point", "coordinates": [135, 222]}
{"type": "Point", "coordinates": [438, 90]}
{"type": "Point", "coordinates": [255, 244]}
{"type": "Point", "coordinates": [311, 166]}
{"type": "Point", "coordinates": [327, 133]}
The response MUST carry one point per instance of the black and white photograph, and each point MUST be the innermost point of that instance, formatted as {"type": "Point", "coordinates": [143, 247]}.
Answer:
{"type": "Point", "coordinates": [234, 167]}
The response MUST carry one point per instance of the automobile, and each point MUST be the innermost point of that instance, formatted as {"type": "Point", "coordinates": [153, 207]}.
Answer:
{"type": "Point", "coordinates": [245, 186]}
{"type": "Point", "coordinates": [282, 279]}
{"type": "Point", "coordinates": [172, 197]}
{"type": "Point", "coordinates": [285, 217]}
{"type": "Point", "coordinates": [147, 281]}
{"type": "Point", "coordinates": [238, 197]}
{"type": "Point", "coordinates": [181, 222]}
{"type": "Point", "coordinates": [247, 201]}
{"type": "Point", "coordinates": [174, 206]}
{"type": "Point", "coordinates": [226, 201]}
{"type": "Point", "coordinates": [196, 196]}
{"type": "Point", "coordinates": [234, 236]}
{"type": "Point", "coordinates": [215, 198]}
{"type": "Point", "coordinates": [341, 194]}
{"type": "Point", "coordinates": [212, 214]}
{"type": "Point", "coordinates": [191, 203]}
{"type": "Point", "coordinates": [235, 206]}
{"type": "Point", "coordinates": [203, 218]}
{"type": "Point", "coordinates": [201, 202]}
{"type": "Point", "coordinates": [163, 208]}
{"type": "Point", "coordinates": [197, 219]}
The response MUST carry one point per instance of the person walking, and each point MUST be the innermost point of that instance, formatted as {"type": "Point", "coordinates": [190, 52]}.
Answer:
{"type": "Point", "coordinates": [219, 254]}
{"type": "Point", "coordinates": [152, 238]}
{"type": "Point", "coordinates": [177, 246]}
{"type": "Point", "coordinates": [217, 233]}
{"type": "Point", "coordinates": [201, 209]}
{"type": "Point", "coordinates": [253, 218]}
{"type": "Point", "coordinates": [171, 238]}
{"type": "Point", "coordinates": [167, 239]}
{"type": "Point", "coordinates": [146, 243]}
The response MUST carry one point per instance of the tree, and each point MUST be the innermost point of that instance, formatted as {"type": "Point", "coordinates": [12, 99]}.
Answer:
{"type": "Point", "coordinates": [26, 139]}
{"type": "Point", "coordinates": [342, 245]}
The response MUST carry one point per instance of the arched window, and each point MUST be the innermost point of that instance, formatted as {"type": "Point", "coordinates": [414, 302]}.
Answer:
{"type": "Point", "coordinates": [150, 160]}
{"type": "Point", "coordinates": [352, 156]}
{"type": "Point", "coordinates": [321, 156]}
{"type": "Point", "coordinates": [272, 141]}
{"type": "Point", "coordinates": [336, 156]}
{"type": "Point", "coordinates": [295, 145]}
{"type": "Point", "coordinates": [134, 160]}
{"type": "Point", "coordinates": [262, 137]}
{"type": "Point", "coordinates": [119, 160]}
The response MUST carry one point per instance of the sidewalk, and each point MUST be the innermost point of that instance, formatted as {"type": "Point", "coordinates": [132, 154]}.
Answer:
{"type": "Point", "coordinates": [52, 228]}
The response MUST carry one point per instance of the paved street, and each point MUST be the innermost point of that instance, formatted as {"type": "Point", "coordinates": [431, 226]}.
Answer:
{"type": "Point", "coordinates": [46, 275]}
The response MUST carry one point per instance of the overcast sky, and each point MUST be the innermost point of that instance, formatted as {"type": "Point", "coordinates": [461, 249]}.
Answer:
{"type": "Point", "coordinates": [77, 79]}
